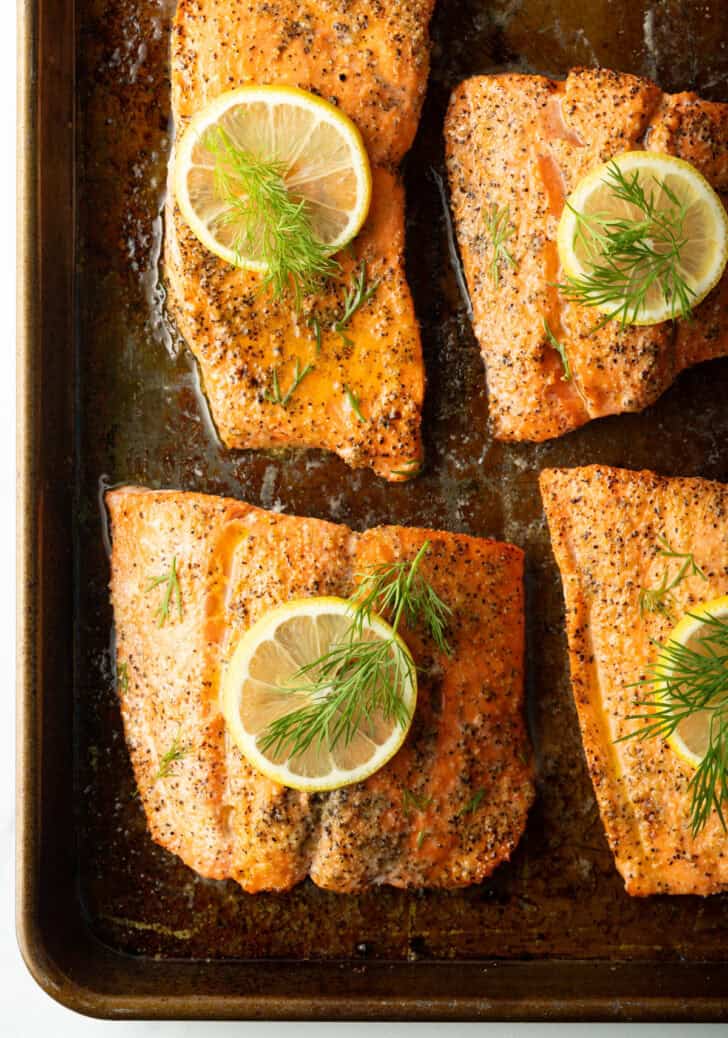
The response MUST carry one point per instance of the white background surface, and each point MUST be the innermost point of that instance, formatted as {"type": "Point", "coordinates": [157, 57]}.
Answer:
{"type": "Point", "coordinates": [25, 1011]}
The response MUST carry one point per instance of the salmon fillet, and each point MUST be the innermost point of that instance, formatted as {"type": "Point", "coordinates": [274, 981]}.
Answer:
{"type": "Point", "coordinates": [524, 142]}
{"type": "Point", "coordinates": [371, 60]}
{"type": "Point", "coordinates": [605, 524]}
{"type": "Point", "coordinates": [466, 760]}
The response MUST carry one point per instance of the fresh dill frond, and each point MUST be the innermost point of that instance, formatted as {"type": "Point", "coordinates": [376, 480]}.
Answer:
{"type": "Point", "coordinates": [657, 599]}
{"type": "Point", "coordinates": [171, 591]}
{"type": "Point", "coordinates": [498, 225]}
{"type": "Point", "coordinates": [358, 294]}
{"type": "Point", "coordinates": [689, 563]}
{"type": "Point", "coordinates": [274, 395]}
{"type": "Point", "coordinates": [354, 403]}
{"type": "Point", "coordinates": [409, 468]}
{"type": "Point", "coordinates": [315, 325]}
{"type": "Point", "coordinates": [176, 752]}
{"type": "Point", "coordinates": [560, 349]}
{"type": "Point", "coordinates": [660, 599]}
{"type": "Point", "coordinates": [270, 224]}
{"type": "Point", "coordinates": [399, 589]}
{"type": "Point", "coordinates": [358, 678]}
{"type": "Point", "coordinates": [631, 255]}
{"type": "Point", "coordinates": [414, 801]}
{"type": "Point", "coordinates": [122, 676]}
{"type": "Point", "coordinates": [472, 805]}
{"type": "Point", "coordinates": [686, 681]}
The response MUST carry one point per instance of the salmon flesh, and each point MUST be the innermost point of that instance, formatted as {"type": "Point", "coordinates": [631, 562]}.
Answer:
{"type": "Point", "coordinates": [517, 145]}
{"type": "Point", "coordinates": [608, 528]}
{"type": "Point", "coordinates": [444, 812]}
{"type": "Point", "coordinates": [362, 396]}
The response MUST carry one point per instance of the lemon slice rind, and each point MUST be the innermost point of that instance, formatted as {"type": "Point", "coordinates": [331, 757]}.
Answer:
{"type": "Point", "coordinates": [237, 682]}
{"type": "Point", "coordinates": [687, 183]}
{"type": "Point", "coordinates": [193, 178]}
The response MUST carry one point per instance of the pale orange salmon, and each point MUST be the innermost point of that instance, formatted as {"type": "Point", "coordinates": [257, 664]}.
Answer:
{"type": "Point", "coordinates": [362, 401]}
{"type": "Point", "coordinates": [444, 812]}
{"type": "Point", "coordinates": [606, 526]}
{"type": "Point", "coordinates": [523, 142]}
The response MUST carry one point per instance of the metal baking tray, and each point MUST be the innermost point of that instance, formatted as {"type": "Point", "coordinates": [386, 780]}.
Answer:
{"type": "Point", "coordinates": [109, 923]}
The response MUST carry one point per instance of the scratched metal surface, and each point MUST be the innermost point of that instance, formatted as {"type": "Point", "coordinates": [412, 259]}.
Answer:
{"type": "Point", "coordinates": [141, 419]}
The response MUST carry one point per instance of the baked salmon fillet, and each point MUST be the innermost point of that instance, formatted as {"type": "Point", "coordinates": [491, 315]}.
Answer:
{"type": "Point", "coordinates": [444, 812]}
{"type": "Point", "coordinates": [606, 525]}
{"type": "Point", "coordinates": [372, 61]}
{"type": "Point", "coordinates": [519, 144]}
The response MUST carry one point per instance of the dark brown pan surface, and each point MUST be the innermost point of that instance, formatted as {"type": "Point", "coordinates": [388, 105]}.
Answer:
{"type": "Point", "coordinates": [140, 418]}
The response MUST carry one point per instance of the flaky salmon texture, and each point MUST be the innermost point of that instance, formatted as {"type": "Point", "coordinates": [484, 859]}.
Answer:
{"type": "Point", "coordinates": [372, 61]}
{"type": "Point", "coordinates": [606, 526]}
{"type": "Point", "coordinates": [523, 142]}
{"type": "Point", "coordinates": [444, 812]}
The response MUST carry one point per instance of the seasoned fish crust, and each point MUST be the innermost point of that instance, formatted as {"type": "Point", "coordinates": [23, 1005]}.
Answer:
{"type": "Point", "coordinates": [605, 524]}
{"type": "Point", "coordinates": [372, 60]}
{"type": "Point", "coordinates": [466, 761]}
{"type": "Point", "coordinates": [524, 142]}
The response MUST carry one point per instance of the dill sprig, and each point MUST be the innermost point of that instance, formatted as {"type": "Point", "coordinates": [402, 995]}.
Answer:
{"type": "Point", "coordinates": [498, 225]}
{"type": "Point", "coordinates": [686, 681]}
{"type": "Point", "coordinates": [270, 223]}
{"type": "Point", "coordinates": [315, 325]}
{"type": "Point", "coordinates": [274, 395]}
{"type": "Point", "coordinates": [409, 469]}
{"type": "Point", "coordinates": [176, 752]}
{"type": "Point", "coordinates": [629, 256]}
{"type": "Point", "coordinates": [560, 349]}
{"type": "Point", "coordinates": [172, 590]}
{"type": "Point", "coordinates": [472, 805]}
{"type": "Point", "coordinates": [399, 589]}
{"type": "Point", "coordinates": [358, 678]}
{"type": "Point", "coordinates": [357, 295]}
{"type": "Point", "coordinates": [414, 801]}
{"type": "Point", "coordinates": [355, 680]}
{"type": "Point", "coordinates": [354, 403]}
{"type": "Point", "coordinates": [657, 599]}
{"type": "Point", "coordinates": [122, 676]}
{"type": "Point", "coordinates": [660, 599]}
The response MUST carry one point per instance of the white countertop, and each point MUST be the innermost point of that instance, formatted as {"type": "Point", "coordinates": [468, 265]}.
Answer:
{"type": "Point", "coordinates": [26, 1011]}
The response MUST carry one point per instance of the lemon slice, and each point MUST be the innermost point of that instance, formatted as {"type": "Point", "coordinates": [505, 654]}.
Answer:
{"type": "Point", "coordinates": [321, 155]}
{"type": "Point", "coordinates": [690, 739]}
{"type": "Point", "coordinates": [256, 691]}
{"type": "Point", "coordinates": [702, 257]}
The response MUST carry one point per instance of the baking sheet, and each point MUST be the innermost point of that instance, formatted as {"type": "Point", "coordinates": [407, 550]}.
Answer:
{"type": "Point", "coordinates": [141, 418]}
{"type": "Point", "coordinates": [144, 420]}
